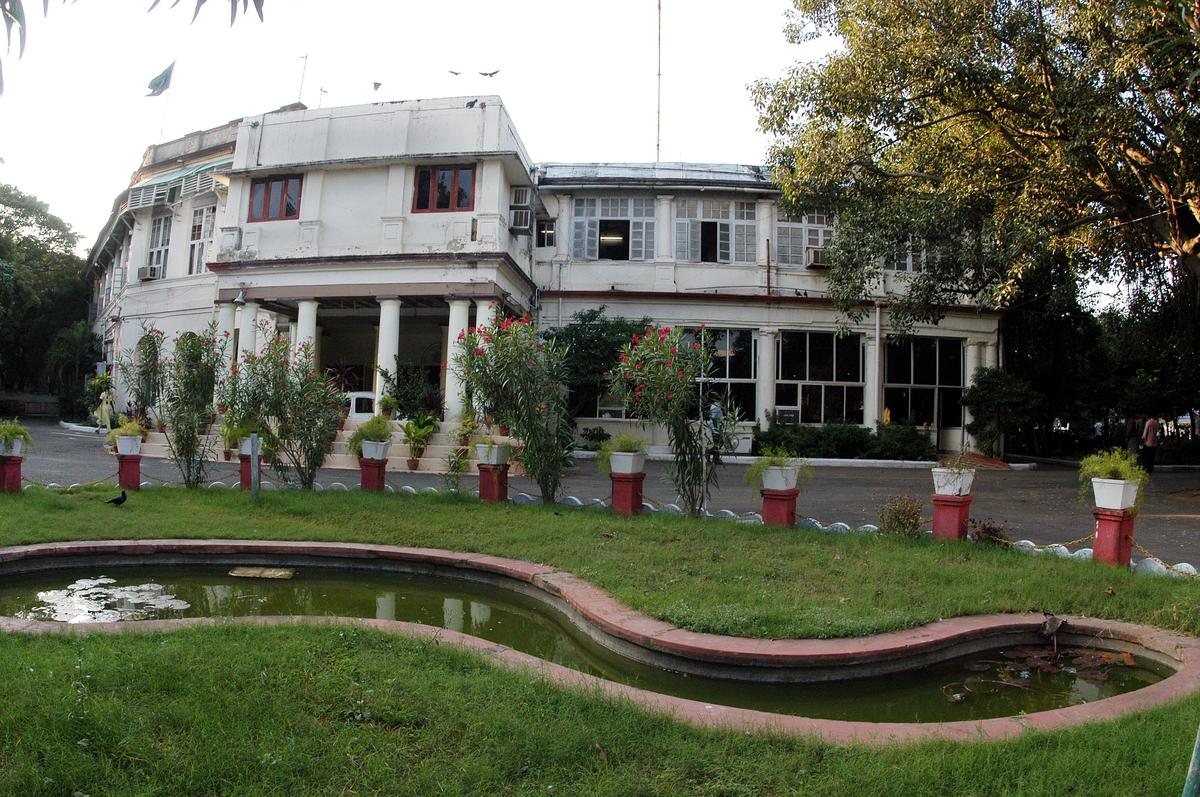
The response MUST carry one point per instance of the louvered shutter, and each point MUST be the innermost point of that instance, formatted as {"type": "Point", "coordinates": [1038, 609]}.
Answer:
{"type": "Point", "coordinates": [648, 251]}
{"type": "Point", "coordinates": [593, 239]}
{"type": "Point", "coordinates": [637, 241]}
{"type": "Point", "coordinates": [579, 239]}
{"type": "Point", "coordinates": [723, 240]}
{"type": "Point", "coordinates": [694, 247]}
{"type": "Point", "coordinates": [682, 239]}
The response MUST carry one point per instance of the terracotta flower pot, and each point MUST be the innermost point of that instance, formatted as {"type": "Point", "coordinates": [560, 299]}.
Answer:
{"type": "Point", "coordinates": [413, 463]}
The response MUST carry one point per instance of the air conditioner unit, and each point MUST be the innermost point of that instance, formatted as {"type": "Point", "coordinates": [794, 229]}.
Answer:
{"type": "Point", "coordinates": [816, 258]}
{"type": "Point", "coordinates": [521, 221]}
{"type": "Point", "coordinates": [146, 273]}
{"type": "Point", "coordinates": [520, 197]}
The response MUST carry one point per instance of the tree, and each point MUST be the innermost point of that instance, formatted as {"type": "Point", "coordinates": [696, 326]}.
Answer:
{"type": "Point", "coordinates": [592, 341]}
{"type": "Point", "coordinates": [13, 12]}
{"type": "Point", "coordinates": [1000, 404]}
{"type": "Point", "coordinates": [994, 138]}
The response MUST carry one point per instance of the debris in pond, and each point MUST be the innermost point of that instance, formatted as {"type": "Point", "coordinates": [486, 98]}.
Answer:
{"type": "Point", "coordinates": [262, 572]}
{"type": "Point", "coordinates": [1023, 667]}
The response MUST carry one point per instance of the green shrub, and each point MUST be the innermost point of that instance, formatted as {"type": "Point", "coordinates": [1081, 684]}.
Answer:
{"type": "Point", "coordinates": [901, 441]}
{"type": "Point", "coordinates": [127, 428]}
{"type": "Point", "coordinates": [621, 444]}
{"type": "Point", "coordinates": [1112, 464]}
{"type": "Point", "coordinates": [377, 430]}
{"type": "Point", "coordinates": [417, 433]}
{"type": "Point", "coordinates": [902, 515]}
{"type": "Point", "coordinates": [988, 532]}
{"type": "Point", "coordinates": [594, 437]}
{"type": "Point", "coordinates": [775, 458]}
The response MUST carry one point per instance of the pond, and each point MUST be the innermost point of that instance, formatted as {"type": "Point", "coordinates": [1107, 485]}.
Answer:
{"type": "Point", "coordinates": [998, 683]}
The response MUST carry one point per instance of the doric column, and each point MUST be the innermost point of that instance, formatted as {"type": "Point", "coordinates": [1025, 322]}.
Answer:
{"type": "Point", "coordinates": [872, 405]}
{"type": "Point", "coordinates": [226, 321]}
{"type": "Point", "coordinates": [562, 229]}
{"type": "Point", "coordinates": [388, 345]}
{"type": "Point", "coordinates": [488, 312]}
{"type": "Point", "coordinates": [766, 375]}
{"type": "Point", "coordinates": [664, 227]}
{"type": "Point", "coordinates": [248, 334]}
{"type": "Point", "coordinates": [460, 313]}
{"type": "Point", "coordinates": [306, 325]}
{"type": "Point", "coordinates": [991, 358]}
{"type": "Point", "coordinates": [971, 361]}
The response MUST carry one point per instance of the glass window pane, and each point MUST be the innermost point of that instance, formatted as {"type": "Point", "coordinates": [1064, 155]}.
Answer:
{"type": "Point", "coordinates": [950, 413]}
{"type": "Point", "coordinates": [922, 406]}
{"type": "Point", "coordinates": [466, 188]}
{"type": "Point", "coordinates": [786, 395]}
{"type": "Point", "coordinates": [849, 353]}
{"type": "Point", "coordinates": [275, 202]}
{"type": "Point", "coordinates": [719, 346]}
{"type": "Point", "coordinates": [950, 362]}
{"type": "Point", "coordinates": [854, 405]}
{"type": "Point", "coordinates": [924, 361]}
{"type": "Point", "coordinates": [899, 362]}
{"type": "Point", "coordinates": [895, 404]}
{"type": "Point", "coordinates": [810, 404]}
{"type": "Point", "coordinates": [424, 185]}
{"type": "Point", "coordinates": [820, 356]}
{"type": "Point", "coordinates": [791, 355]}
{"type": "Point", "coordinates": [745, 396]}
{"type": "Point", "coordinates": [835, 403]}
{"type": "Point", "coordinates": [291, 204]}
{"type": "Point", "coordinates": [258, 192]}
{"type": "Point", "coordinates": [741, 354]}
{"type": "Point", "coordinates": [445, 179]}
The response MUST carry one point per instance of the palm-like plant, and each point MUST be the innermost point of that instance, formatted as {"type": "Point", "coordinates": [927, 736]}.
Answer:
{"type": "Point", "coordinates": [13, 13]}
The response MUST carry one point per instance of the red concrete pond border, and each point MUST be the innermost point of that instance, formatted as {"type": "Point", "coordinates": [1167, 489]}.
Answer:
{"type": "Point", "coordinates": [598, 608]}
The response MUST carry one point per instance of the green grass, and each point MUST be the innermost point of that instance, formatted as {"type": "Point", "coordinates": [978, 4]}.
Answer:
{"type": "Point", "coordinates": [241, 710]}
{"type": "Point", "coordinates": [328, 711]}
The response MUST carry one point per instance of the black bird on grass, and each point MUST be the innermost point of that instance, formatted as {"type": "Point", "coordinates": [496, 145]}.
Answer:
{"type": "Point", "coordinates": [120, 499]}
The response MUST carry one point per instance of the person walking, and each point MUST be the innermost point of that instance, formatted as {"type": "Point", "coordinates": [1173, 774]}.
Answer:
{"type": "Point", "coordinates": [1149, 444]}
{"type": "Point", "coordinates": [1133, 435]}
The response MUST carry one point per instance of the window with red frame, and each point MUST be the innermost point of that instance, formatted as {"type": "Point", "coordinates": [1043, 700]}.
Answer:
{"type": "Point", "coordinates": [444, 189]}
{"type": "Point", "coordinates": [275, 198]}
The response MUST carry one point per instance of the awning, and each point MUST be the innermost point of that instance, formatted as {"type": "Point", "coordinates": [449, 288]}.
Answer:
{"type": "Point", "coordinates": [178, 174]}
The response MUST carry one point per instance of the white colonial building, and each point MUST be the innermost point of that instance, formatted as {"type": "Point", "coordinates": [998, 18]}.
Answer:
{"type": "Point", "coordinates": [379, 232]}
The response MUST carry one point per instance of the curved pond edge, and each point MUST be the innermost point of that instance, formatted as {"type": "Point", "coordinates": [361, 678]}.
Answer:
{"type": "Point", "coordinates": [624, 629]}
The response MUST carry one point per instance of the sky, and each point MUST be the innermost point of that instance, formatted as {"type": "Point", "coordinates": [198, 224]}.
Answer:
{"type": "Point", "coordinates": [577, 78]}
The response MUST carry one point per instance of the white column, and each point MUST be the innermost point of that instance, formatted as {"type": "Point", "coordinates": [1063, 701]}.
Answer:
{"type": "Point", "coordinates": [388, 345]}
{"type": "Point", "coordinates": [306, 325]}
{"type": "Point", "coordinates": [248, 334]}
{"type": "Point", "coordinates": [562, 230]}
{"type": "Point", "coordinates": [664, 227]}
{"type": "Point", "coordinates": [872, 403]}
{"type": "Point", "coordinates": [460, 313]}
{"type": "Point", "coordinates": [226, 320]}
{"type": "Point", "coordinates": [764, 218]}
{"type": "Point", "coordinates": [971, 361]}
{"type": "Point", "coordinates": [766, 375]}
{"type": "Point", "coordinates": [991, 358]}
{"type": "Point", "coordinates": [488, 312]}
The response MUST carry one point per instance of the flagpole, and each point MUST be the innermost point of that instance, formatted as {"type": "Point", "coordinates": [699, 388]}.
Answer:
{"type": "Point", "coordinates": [162, 125]}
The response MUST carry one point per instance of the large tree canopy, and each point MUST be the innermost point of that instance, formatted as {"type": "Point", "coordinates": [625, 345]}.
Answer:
{"type": "Point", "coordinates": [996, 136]}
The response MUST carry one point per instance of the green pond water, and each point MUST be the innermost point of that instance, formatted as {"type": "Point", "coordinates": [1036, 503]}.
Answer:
{"type": "Point", "coordinates": [998, 683]}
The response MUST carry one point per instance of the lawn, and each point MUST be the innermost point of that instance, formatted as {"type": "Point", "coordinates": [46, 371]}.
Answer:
{"type": "Point", "coordinates": [341, 711]}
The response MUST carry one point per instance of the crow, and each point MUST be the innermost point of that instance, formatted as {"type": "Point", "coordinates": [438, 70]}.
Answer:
{"type": "Point", "coordinates": [490, 74]}
{"type": "Point", "coordinates": [451, 71]}
{"type": "Point", "coordinates": [471, 103]}
{"type": "Point", "coordinates": [120, 499]}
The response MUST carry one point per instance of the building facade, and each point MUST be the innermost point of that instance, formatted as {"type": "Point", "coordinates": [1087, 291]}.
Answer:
{"type": "Point", "coordinates": [379, 232]}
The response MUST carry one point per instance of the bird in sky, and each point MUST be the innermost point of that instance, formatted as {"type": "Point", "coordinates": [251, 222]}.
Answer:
{"type": "Point", "coordinates": [493, 73]}
{"type": "Point", "coordinates": [377, 84]}
{"type": "Point", "coordinates": [451, 71]}
{"type": "Point", "coordinates": [471, 103]}
{"type": "Point", "coordinates": [120, 499]}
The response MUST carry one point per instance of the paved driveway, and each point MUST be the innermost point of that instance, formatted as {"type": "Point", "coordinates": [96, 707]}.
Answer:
{"type": "Point", "coordinates": [1039, 505]}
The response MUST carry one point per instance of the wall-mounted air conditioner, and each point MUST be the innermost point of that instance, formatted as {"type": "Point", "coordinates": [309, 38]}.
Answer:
{"type": "Point", "coordinates": [816, 258]}
{"type": "Point", "coordinates": [521, 196]}
{"type": "Point", "coordinates": [146, 273]}
{"type": "Point", "coordinates": [521, 221]}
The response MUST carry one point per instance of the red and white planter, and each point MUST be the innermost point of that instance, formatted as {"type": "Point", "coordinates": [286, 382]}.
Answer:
{"type": "Point", "coordinates": [493, 471]}
{"type": "Point", "coordinates": [950, 481]}
{"type": "Point", "coordinates": [1115, 494]}
{"type": "Point", "coordinates": [14, 449]}
{"type": "Point", "coordinates": [129, 445]}
{"type": "Point", "coordinates": [627, 472]}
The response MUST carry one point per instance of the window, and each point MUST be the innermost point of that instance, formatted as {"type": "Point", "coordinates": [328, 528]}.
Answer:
{"type": "Point", "coordinates": [704, 234]}
{"type": "Point", "coordinates": [613, 228]}
{"type": "Point", "coordinates": [444, 189]}
{"type": "Point", "coordinates": [923, 381]}
{"type": "Point", "coordinates": [160, 243]}
{"type": "Point", "coordinates": [734, 365]}
{"type": "Point", "coordinates": [275, 198]}
{"type": "Point", "coordinates": [201, 234]}
{"type": "Point", "coordinates": [545, 232]}
{"type": "Point", "coordinates": [801, 240]}
{"type": "Point", "coordinates": [819, 378]}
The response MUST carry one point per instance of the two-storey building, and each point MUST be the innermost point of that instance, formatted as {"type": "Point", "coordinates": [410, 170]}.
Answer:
{"type": "Point", "coordinates": [379, 232]}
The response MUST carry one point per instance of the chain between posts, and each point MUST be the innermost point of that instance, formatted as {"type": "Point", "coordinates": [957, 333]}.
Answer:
{"type": "Point", "coordinates": [46, 485]}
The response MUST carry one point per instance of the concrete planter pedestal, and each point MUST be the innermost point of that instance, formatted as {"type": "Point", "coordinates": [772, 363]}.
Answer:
{"type": "Point", "coordinates": [627, 492]}
{"type": "Point", "coordinates": [371, 476]}
{"type": "Point", "coordinates": [129, 470]}
{"type": "Point", "coordinates": [493, 483]}
{"type": "Point", "coordinates": [1114, 536]}
{"type": "Point", "coordinates": [10, 474]}
{"type": "Point", "coordinates": [779, 506]}
{"type": "Point", "coordinates": [950, 516]}
{"type": "Point", "coordinates": [245, 472]}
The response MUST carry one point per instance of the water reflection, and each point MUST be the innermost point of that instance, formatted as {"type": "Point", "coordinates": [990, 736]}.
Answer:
{"type": "Point", "coordinates": [100, 600]}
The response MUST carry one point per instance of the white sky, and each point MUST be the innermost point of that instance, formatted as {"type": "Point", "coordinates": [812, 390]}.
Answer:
{"type": "Point", "coordinates": [578, 78]}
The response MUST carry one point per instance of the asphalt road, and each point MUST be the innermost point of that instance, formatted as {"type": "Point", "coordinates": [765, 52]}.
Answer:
{"type": "Point", "coordinates": [1038, 505]}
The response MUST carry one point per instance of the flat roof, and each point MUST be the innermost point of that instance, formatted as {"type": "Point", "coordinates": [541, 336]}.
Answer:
{"type": "Point", "coordinates": [724, 174]}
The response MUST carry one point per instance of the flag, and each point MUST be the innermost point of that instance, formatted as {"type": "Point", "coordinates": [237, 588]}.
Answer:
{"type": "Point", "coordinates": [162, 82]}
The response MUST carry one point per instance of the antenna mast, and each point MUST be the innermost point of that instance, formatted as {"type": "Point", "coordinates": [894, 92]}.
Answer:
{"type": "Point", "coordinates": [303, 69]}
{"type": "Point", "coordinates": [658, 122]}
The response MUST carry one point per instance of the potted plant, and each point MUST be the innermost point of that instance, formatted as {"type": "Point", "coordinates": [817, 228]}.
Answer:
{"type": "Point", "coordinates": [622, 454]}
{"type": "Point", "coordinates": [417, 432]}
{"type": "Point", "coordinates": [953, 476]}
{"type": "Point", "coordinates": [468, 427]}
{"type": "Point", "coordinates": [1115, 478]}
{"type": "Point", "coordinates": [775, 470]}
{"type": "Point", "coordinates": [491, 451]}
{"type": "Point", "coordinates": [244, 432]}
{"type": "Point", "coordinates": [127, 437]}
{"type": "Point", "coordinates": [371, 439]}
{"type": "Point", "coordinates": [14, 439]}
{"type": "Point", "coordinates": [387, 406]}
{"type": "Point", "coordinates": [231, 434]}
{"type": "Point", "coordinates": [457, 462]}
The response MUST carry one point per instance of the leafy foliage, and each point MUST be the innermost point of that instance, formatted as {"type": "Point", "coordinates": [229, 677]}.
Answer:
{"type": "Point", "coordinates": [1000, 403]}
{"type": "Point", "coordinates": [592, 341]}
{"type": "Point", "coordinates": [901, 515]}
{"type": "Point", "coordinates": [12, 430]}
{"type": "Point", "coordinates": [1115, 463]}
{"type": "Point", "coordinates": [846, 441]}
{"type": "Point", "coordinates": [141, 370]}
{"type": "Point", "coordinates": [188, 384]}
{"type": "Point", "coordinates": [994, 138]}
{"type": "Point", "coordinates": [407, 387]}
{"type": "Point", "coordinates": [376, 429]}
{"type": "Point", "coordinates": [511, 371]}
{"type": "Point", "coordinates": [656, 378]}
{"type": "Point", "coordinates": [418, 430]}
